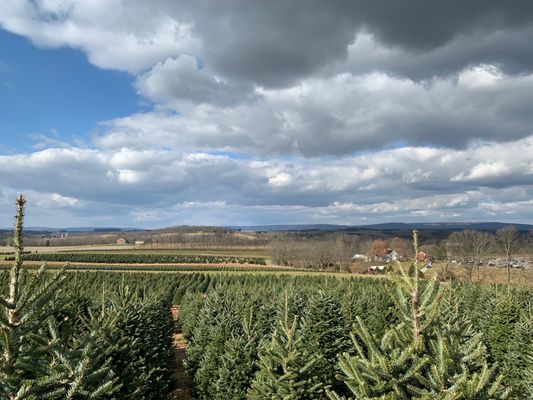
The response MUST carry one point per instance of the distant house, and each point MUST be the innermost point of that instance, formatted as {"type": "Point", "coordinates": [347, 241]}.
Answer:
{"type": "Point", "coordinates": [122, 241]}
{"type": "Point", "coordinates": [391, 256]}
{"type": "Point", "coordinates": [139, 242]}
{"type": "Point", "coordinates": [360, 257]}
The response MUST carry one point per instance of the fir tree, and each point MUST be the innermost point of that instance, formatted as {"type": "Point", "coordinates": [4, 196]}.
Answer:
{"type": "Point", "coordinates": [212, 354]}
{"type": "Point", "coordinates": [527, 385]}
{"type": "Point", "coordinates": [36, 363]}
{"type": "Point", "coordinates": [415, 359]}
{"type": "Point", "coordinates": [283, 365]}
{"type": "Point", "coordinates": [500, 333]}
{"type": "Point", "coordinates": [519, 359]}
{"type": "Point", "coordinates": [325, 335]}
{"type": "Point", "coordinates": [238, 365]}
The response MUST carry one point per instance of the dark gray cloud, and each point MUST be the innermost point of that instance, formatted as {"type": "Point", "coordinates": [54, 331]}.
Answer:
{"type": "Point", "coordinates": [273, 43]}
{"type": "Point", "coordinates": [424, 25]}
{"type": "Point", "coordinates": [509, 50]}
{"type": "Point", "coordinates": [276, 43]}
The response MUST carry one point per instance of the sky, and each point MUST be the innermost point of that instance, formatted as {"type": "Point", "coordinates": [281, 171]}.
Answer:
{"type": "Point", "coordinates": [151, 114]}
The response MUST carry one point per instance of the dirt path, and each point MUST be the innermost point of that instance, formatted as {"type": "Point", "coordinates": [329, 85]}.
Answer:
{"type": "Point", "coordinates": [182, 382]}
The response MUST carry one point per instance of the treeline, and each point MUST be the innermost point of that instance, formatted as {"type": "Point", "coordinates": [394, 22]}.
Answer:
{"type": "Point", "coordinates": [474, 247]}
{"type": "Point", "coordinates": [139, 258]}
{"type": "Point", "coordinates": [172, 238]}
{"type": "Point", "coordinates": [331, 252]}
{"type": "Point", "coordinates": [219, 238]}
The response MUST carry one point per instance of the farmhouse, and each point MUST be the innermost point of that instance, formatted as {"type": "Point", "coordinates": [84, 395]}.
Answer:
{"type": "Point", "coordinates": [392, 256]}
{"type": "Point", "coordinates": [122, 241]}
{"type": "Point", "coordinates": [360, 257]}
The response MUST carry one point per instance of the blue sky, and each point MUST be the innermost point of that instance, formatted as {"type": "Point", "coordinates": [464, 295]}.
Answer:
{"type": "Point", "coordinates": [152, 114]}
{"type": "Point", "coordinates": [57, 93]}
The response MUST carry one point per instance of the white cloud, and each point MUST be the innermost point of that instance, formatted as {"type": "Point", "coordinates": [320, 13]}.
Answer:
{"type": "Point", "coordinates": [129, 36]}
{"type": "Point", "coordinates": [481, 171]}
{"type": "Point", "coordinates": [52, 200]}
{"type": "Point", "coordinates": [408, 182]}
{"type": "Point", "coordinates": [280, 180]}
{"type": "Point", "coordinates": [179, 83]}
{"type": "Point", "coordinates": [480, 76]}
{"type": "Point", "coordinates": [328, 116]}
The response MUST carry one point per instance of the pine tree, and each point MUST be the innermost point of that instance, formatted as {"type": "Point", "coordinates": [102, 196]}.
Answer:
{"type": "Point", "coordinates": [500, 333]}
{"type": "Point", "coordinates": [283, 365]}
{"type": "Point", "coordinates": [519, 359]}
{"type": "Point", "coordinates": [36, 363]}
{"type": "Point", "coordinates": [419, 358]}
{"type": "Point", "coordinates": [527, 384]}
{"type": "Point", "coordinates": [238, 365]}
{"type": "Point", "coordinates": [212, 354]}
{"type": "Point", "coordinates": [325, 334]}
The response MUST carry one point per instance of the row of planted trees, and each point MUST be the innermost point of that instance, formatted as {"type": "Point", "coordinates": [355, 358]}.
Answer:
{"type": "Point", "coordinates": [316, 338]}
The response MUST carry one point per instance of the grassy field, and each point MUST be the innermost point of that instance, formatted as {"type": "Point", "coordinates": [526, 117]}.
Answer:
{"type": "Point", "coordinates": [487, 274]}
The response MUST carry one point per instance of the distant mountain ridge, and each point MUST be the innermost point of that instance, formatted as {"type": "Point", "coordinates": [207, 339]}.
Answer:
{"type": "Point", "coordinates": [390, 226]}
{"type": "Point", "coordinates": [83, 229]}
{"type": "Point", "coordinates": [387, 226]}
{"type": "Point", "coordinates": [292, 227]}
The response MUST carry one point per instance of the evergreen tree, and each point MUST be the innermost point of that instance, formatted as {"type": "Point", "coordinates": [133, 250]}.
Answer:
{"type": "Point", "coordinates": [238, 365]}
{"type": "Point", "coordinates": [325, 335]}
{"type": "Point", "coordinates": [417, 359]}
{"type": "Point", "coordinates": [36, 363]}
{"type": "Point", "coordinates": [519, 359]}
{"type": "Point", "coordinates": [212, 354]}
{"type": "Point", "coordinates": [527, 385]}
{"type": "Point", "coordinates": [283, 365]}
{"type": "Point", "coordinates": [500, 333]}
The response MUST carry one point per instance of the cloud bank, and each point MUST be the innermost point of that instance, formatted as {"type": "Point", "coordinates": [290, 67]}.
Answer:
{"type": "Point", "coordinates": [301, 111]}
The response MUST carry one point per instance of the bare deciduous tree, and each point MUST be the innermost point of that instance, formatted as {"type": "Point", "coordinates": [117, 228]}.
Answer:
{"type": "Point", "coordinates": [471, 245]}
{"type": "Point", "coordinates": [401, 246]}
{"type": "Point", "coordinates": [378, 249]}
{"type": "Point", "coordinates": [508, 241]}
